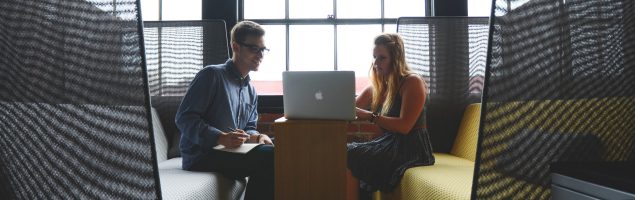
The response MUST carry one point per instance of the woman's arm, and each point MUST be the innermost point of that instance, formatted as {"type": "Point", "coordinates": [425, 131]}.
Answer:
{"type": "Point", "coordinates": [413, 96]}
{"type": "Point", "coordinates": [362, 104]}
{"type": "Point", "coordinates": [364, 99]}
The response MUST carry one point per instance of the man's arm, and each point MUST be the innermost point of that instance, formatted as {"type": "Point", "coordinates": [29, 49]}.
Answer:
{"type": "Point", "coordinates": [252, 120]}
{"type": "Point", "coordinates": [189, 117]}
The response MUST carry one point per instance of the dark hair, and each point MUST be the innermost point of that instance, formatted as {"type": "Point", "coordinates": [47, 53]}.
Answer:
{"type": "Point", "coordinates": [244, 29]}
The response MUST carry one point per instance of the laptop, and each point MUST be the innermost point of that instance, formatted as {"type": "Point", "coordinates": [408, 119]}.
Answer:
{"type": "Point", "coordinates": [328, 95]}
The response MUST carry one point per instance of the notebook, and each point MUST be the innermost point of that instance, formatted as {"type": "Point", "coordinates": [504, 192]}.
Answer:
{"type": "Point", "coordinates": [243, 149]}
{"type": "Point", "coordinates": [326, 95]}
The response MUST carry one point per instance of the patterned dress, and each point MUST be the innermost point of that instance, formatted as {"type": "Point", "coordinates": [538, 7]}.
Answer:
{"type": "Point", "coordinates": [380, 164]}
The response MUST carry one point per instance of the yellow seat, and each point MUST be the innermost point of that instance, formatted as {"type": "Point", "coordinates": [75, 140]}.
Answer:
{"type": "Point", "coordinates": [451, 175]}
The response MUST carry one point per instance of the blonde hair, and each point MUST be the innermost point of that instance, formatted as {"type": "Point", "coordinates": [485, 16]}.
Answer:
{"type": "Point", "coordinates": [388, 84]}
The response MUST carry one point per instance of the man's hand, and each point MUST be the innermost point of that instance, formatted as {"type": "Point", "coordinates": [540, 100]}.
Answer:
{"type": "Point", "coordinates": [233, 139]}
{"type": "Point", "coordinates": [264, 139]}
{"type": "Point", "coordinates": [260, 139]}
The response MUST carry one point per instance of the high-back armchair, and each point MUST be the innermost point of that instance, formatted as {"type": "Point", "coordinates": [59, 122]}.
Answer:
{"type": "Point", "coordinates": [74, 104]}
{"type": "Point", "coordinates": [449, 52]}
{"type": "Point", "coordinates": [175, 52]}
{"type": "Point", "coordinates": [559, 88]}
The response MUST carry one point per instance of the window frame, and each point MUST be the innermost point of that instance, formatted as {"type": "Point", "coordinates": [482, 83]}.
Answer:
{"type": "Point", "coordinates": [273, 103]}
{"type": "Point", "coordinates": [160, 12]}
{"type": "Point", "coordinates": [331, 20]}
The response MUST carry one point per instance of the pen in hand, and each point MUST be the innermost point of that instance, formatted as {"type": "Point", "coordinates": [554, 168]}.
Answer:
{"type": "Point", "coordinates": [239, 130]}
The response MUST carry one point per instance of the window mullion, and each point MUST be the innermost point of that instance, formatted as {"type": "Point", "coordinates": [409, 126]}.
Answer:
{"type": "Point", "coordinates": [383, 23]}
{"type": "Point", "coordinates": [335, 35]}
{"type": "Point", "coordinates": [287, 27]}
{"type": "Point", "coordinates": [335, 46]}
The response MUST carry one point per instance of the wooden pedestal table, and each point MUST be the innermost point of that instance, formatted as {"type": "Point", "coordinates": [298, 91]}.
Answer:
{"type": "Point", "coordinates": [310, 159]}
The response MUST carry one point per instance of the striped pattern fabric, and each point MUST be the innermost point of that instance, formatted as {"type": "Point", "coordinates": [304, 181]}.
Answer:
{"type": "Point", "coordinates": [559, 88]}
{"type": "Point", "coordinates": [74, 104]}
{"type": "Point", "coordinates": [449, 52]}
{"type": "Point", "coordinates": [177, 50]}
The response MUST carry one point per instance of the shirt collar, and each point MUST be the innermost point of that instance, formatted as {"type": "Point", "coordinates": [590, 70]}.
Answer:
{"type": "Point", "coordinates": [233, 71]}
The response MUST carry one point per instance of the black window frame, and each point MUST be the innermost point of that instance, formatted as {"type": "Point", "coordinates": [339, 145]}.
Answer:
{"type": "Point", "coordinates": [273, 103]}
{"type": "Point", "coordinates": [328, 20]}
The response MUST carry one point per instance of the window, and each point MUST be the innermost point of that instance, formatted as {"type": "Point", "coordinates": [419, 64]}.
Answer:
{"type": "Point", "coordinates": [160, 10]}
{"type": "Point", "coordinates": [479, 8]}
{"type": "Point", "coordinates": [318, 35]}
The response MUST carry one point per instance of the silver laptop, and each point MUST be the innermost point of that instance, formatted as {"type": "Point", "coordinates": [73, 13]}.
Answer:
{"type": "Point", "coordinates": [319, 95]}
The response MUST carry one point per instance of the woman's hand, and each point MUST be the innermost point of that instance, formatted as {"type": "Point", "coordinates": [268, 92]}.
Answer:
{"type": "Point", "coordinates": [363, 115]}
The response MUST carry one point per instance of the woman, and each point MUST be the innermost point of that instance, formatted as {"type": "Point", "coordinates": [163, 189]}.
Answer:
{"type": "Point", "coordinates": [395, 102]}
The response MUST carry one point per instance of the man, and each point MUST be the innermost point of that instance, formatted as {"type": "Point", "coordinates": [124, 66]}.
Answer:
{"type": "Point", "coordinates": [220, 108]}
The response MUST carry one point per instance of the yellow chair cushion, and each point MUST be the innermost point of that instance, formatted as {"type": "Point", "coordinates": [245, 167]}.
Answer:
{"type": "Point", "coordinates": [467, 137]}
{"type": "Point", "coordinates": [449, 178]}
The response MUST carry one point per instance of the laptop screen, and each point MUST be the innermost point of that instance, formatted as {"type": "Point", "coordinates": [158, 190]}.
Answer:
{"type": "Point", "coordinates": [319, 95]}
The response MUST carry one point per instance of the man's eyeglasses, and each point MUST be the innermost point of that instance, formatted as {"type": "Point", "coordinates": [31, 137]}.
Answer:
{"type": "Point", "coordinates": [254, 48]}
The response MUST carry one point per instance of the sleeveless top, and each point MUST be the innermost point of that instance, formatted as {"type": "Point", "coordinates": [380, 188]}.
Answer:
{"type": "Point", "coordinates": [395, 111]}
{"type": "Point", "coordinates": [380, 164]}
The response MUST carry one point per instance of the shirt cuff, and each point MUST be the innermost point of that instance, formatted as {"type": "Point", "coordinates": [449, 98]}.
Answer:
{"type": "Point", "coordinates": [214, 136]}
{"type": "Point", "coordinates": [252, 132]}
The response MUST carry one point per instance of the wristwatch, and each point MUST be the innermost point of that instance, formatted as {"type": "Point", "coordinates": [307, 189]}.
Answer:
{"type": "Point", "coordinates": [373, 117]}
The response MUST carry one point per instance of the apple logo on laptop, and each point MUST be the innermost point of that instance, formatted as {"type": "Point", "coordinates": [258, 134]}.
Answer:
{"type": "Point", "coordinates": [318, 95]}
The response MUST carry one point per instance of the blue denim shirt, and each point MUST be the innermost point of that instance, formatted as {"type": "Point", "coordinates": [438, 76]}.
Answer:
{"type": "Point", "coordinates": [217, 99]}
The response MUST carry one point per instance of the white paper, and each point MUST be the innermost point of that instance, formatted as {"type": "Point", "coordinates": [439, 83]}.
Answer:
{"type": "Point", "coordinates": [244, 148]}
